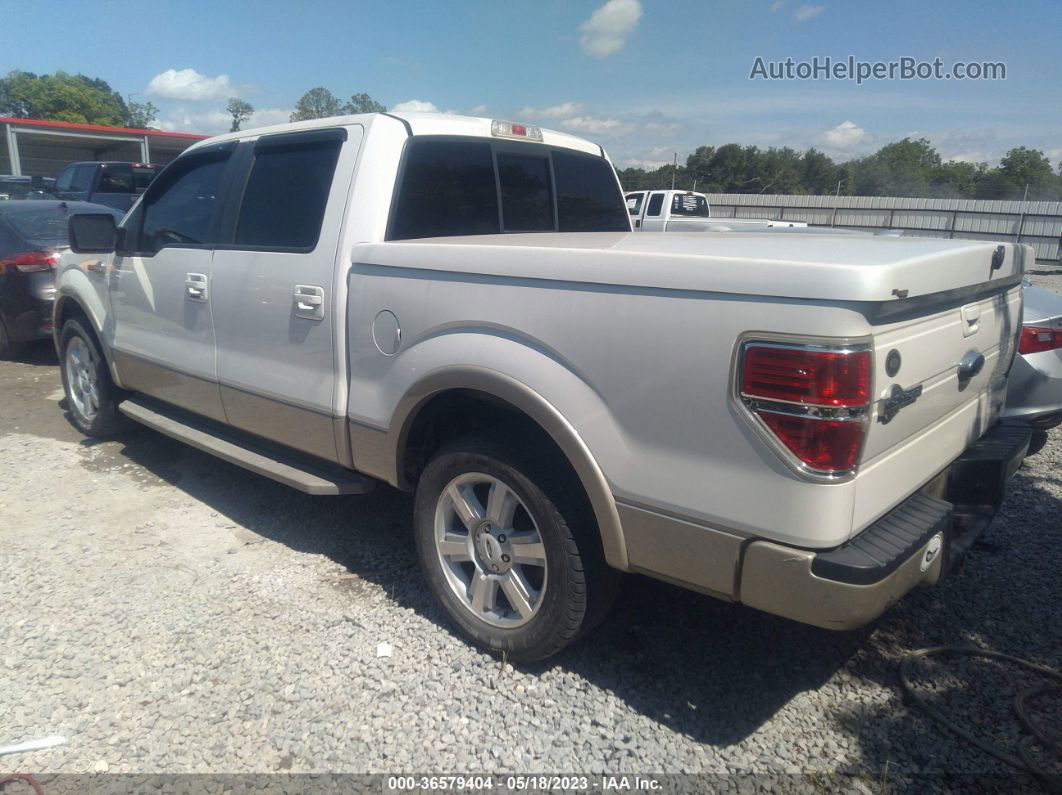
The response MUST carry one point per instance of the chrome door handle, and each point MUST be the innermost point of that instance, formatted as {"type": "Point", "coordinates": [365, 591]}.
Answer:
{"type": "Point", "coordinates": [195, 285]}
{"type": "Point", "coordinates": [309, 301]}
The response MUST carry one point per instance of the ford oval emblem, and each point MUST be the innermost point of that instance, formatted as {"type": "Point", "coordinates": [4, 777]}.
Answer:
{"type": "Point", "coordinates": [970, 365]}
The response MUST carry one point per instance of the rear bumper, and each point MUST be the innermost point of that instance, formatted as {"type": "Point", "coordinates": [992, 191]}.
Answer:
{"type": "Point", "coordinates": [916, 543]}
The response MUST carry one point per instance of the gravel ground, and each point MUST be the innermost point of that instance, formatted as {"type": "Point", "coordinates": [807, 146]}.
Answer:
{"type": "Point", "coordinates": [170, 613]}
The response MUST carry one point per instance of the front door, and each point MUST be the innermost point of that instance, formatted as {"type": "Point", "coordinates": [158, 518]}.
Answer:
{"type": "Point", "coordinates": [160, 289]}
{"type": "Point", "coordinates": [635, 206]}
{"type": "Point", "coordinates": [273, 288]}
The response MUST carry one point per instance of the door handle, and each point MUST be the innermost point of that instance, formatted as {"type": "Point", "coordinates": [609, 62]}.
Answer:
{"type": "Point", "coordinates": [309, 301]}
{"type": "Point", "coordinates": [195, 285]}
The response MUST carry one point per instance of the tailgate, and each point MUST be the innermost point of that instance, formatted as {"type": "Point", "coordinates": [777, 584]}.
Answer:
{"type": "Point", "coordinates": [940, 383]}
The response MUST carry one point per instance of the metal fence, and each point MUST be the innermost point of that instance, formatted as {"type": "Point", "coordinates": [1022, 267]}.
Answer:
{"type": "Point", "coordinates": [1038, 224]}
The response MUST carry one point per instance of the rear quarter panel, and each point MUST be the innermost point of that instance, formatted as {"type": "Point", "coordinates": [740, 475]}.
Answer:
{"type": "Point", "coordinates": [642, 374]}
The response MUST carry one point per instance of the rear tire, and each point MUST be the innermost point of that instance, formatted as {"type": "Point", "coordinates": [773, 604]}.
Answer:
{"type": "Point", "coordinates": [91, 396]}
{"type": "Point", "coordinates": [508, 550]}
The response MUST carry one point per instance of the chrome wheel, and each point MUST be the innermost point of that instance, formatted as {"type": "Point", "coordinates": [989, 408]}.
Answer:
{"type": "Point", "coordinates": [491, 550]}
{"type": "Point", "coordinates": [82, 378]}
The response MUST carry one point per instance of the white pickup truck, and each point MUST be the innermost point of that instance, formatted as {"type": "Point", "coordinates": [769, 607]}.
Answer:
{"type": "Point", "coordinates": [686, 211]}
{"type": "Point", "coordinates": [458, 307]}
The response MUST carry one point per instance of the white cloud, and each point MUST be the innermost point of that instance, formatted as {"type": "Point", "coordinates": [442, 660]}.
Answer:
{"type": "Point", "coordinates": [478, 110]}
{"type": "Point", "coordinates": [414, 105]}
{"type": "Point", "coordinates": [552, 112]}
{"type": "Point", "coordinates": [846, 138]}
{"type": "Point", "coordinates": [267, 116]}
{"type": "Point", "coordinates": [189, 85]}
{"type": "Point", "coordinates": [806, 12]}
{"type": "Point", "coordinates": [606, 32]}
{"type": "Point", "coordinates": [776, 5]}
{"type": "Point", "coordinates": [596, 125]}
{"type": "Point", "coordinates": [205, 123]}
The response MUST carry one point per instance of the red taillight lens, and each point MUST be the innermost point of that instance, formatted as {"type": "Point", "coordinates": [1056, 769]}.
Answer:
{"type": "Point", "coordinates": [824, 445]}
{"type": "Point", "coordinates": [813, 401]}
{"type": "Point", "coordinates": [33, 261]}
{"type": "Point", "coordinates": [807, 376]}
{"type": "Point", "coordinates": [1037, 339]}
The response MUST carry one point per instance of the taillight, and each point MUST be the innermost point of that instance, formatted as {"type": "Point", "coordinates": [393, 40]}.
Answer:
{"type": "Point", "coordinates": [31, 261]}
{"type": "Point", "coordinates": [1037, 339]}
{"type": "Point", "coordinates": [813, 400]}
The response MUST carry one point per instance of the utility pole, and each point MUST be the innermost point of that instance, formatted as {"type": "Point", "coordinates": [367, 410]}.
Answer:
{"type": "Point", "coordinates": [674, 171]}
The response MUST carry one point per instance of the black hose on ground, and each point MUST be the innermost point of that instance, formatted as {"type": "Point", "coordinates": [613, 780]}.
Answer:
{"type": "Point", "coordinates": [1024, 760]}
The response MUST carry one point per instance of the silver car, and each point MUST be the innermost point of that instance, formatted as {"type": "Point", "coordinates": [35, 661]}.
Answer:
{"type": "Point", "coordinates": [1034, 391]}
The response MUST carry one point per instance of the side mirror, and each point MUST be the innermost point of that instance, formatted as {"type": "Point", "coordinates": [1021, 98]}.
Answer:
{"type": "Point", "coordinates": [92, 233]}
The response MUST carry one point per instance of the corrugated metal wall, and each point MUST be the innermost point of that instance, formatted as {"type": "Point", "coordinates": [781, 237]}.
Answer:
{"type": "Point", "coordinates": [1038, 224]}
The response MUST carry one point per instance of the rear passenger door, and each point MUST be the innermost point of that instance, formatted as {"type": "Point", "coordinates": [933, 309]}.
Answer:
{"type": "Point", "coordinates": [654, 213]}
{"type": "Point", "coordinates": [274, 283]}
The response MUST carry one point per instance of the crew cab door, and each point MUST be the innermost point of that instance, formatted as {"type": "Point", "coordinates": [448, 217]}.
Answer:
{"type": "Point", "coordinates": [159, 286]}
{"type": "Point", "coordinates": [274, 284]}
{"type": "Point", "coordinates": [654, 220]}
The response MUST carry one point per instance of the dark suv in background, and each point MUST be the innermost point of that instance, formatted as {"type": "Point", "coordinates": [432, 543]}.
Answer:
{"type": "Point", "coordinates": [111, 183]}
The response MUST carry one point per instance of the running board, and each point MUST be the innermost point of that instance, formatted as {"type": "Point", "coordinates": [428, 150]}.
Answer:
{"type": "Point", "coordinates": [290, 470]}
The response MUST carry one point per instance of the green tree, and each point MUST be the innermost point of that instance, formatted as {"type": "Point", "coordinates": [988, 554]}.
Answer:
{"type": "Point", "coordinates": [363, 103]}
{"type": "Point", "coordinates": [61, 97]}
{"type": "Point", "coordinates": [317, 103]}
{"type": "Point", "coordinates": [240, 111]}
{"type": "Point", "coordinates": [818, 173]}
{"type": "Point", "coordinates": [902, 168]}
{"type": "Point", "coordinates": [140, 115]}
{"type": "Point", "coordinates": [777, 171]}
{"type": "Point", "coordinates": [956, 179]}
{"type": "Point", "coordinates": [1029, 167]}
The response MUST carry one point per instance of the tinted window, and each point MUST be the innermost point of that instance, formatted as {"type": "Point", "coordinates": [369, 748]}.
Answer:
{"type": "Point", "coordinates": [180, 208]}
{"type": "Point", "coordinates": [687, 205]}
{"type": "Point", "coordinates": [284, 201]}
{"type": "Point", "coordinates": [143, 176]}
{"type": "Point", "coordinates": [588, 198]}
{"type": "Point", "coordinates": [447, 189]}
{"type": "Point", "coordinates": [65, 179]}
{"type": "Point", "coordinates": [656, 201]}
{"type": "Point", "coordinates": [83, 178]}
{"type": "Point", "coordinates": [634, 203]}
{"type": "Point", "coordinates": [116, 179]}
{"type": "Point", "coordinates": [527, 205]}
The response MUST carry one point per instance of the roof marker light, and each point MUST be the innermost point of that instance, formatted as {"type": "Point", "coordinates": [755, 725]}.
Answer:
{"type": "Point", "coordinates": [510, 129]}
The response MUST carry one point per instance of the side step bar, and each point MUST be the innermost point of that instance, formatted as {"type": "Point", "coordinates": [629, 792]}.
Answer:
{"type": "Point", "coordinates": [288, 469]}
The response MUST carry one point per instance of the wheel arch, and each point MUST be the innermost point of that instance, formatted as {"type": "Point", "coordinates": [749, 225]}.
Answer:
{"type": "Point", "coordinates": [534, 407]}
{"type": "Point", "coordinates": [70, 304]}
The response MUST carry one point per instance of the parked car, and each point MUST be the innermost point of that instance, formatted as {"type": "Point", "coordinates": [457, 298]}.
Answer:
{"type": "Point", "coordinates": [458, 307]}
{"type": "Point", "coordinates": [32, 236]}
{"type": "Point", "coordinates": [114, 184]}
{"type": "Point", "coordinates": [19, 187]}
{"type": "Point", "coordinates": [1034, 390]}
{"type": "Point", "coordinates": [687, 211]}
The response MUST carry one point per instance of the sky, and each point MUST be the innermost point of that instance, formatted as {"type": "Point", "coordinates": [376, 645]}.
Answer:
{"type": "Point", "coordinates": [645, 78]}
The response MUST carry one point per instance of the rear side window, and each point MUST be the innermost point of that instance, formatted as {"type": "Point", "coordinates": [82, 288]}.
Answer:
{"type": "Point", "coordinates": [689, 206]}
{"type": "Point", "coordinates": [527, 201]}
{"type": "Point", "coordinates": [447, 189]}
{"type": "Point", "coordinates": [181, 207]}
{"type": "Point", "coordinates": [656, 201]}
{"type": "Point", "coordinates": [634, 203]}
{"type": "Point", "coordinates": [143, 176]}
{"type": "Point", "coordinates": [284, 201]}
{"type": "Point", "coordinates": [116, 179]}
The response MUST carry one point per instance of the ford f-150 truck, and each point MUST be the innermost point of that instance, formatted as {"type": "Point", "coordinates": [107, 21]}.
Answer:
{"type": "Point", "coordinates": [458, 307]}
{"type": "Point", "coordinates": [686, 211]}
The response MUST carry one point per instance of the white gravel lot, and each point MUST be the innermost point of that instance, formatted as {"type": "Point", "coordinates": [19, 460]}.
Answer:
{"type": "Point", "coordinates": [170, 613]}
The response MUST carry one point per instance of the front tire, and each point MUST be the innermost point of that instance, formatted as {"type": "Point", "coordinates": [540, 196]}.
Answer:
{"type": "Point", "coordinates": [507, 550]}
{"type": "Point", "coordinates": [91, 396]}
